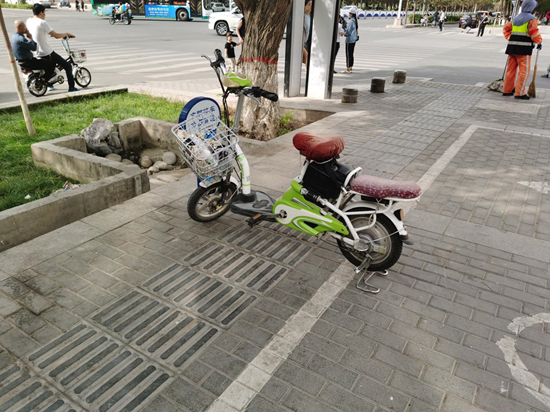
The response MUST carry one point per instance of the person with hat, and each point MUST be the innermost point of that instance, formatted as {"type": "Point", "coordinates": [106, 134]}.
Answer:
{"type": "Point", "coordinates": [351, 38]}
{"type": "Point", "coordinates": [522, 34]}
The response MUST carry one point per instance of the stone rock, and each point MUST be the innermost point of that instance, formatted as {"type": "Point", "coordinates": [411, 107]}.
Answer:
{"type": "Point", "coordinates": [153, 153]}
{"type": "Point", "coordinates": [96, 133]}
{"type": "Point", "coordinates": [145, 162]}
{"type": "Point", "coordinates": [152, 170]}
{"type": "Point", "coordinates": [127, 162]}
{"type": "Point", "coordinates": [169, 158]}
{"type": "Point", "coordinates": [115, 157]}
{"type": "Point", "coordinates": [102, 150]}
{"type": "Point", "coordinates": [162, 166]}
{"type": "Point", "coordinates": [167, 178]}
{"type": "Point", "coordinates": [114, 140]}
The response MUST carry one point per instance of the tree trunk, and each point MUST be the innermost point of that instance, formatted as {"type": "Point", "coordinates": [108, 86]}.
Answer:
{"type": "Point", "coordinates": [265, 25]}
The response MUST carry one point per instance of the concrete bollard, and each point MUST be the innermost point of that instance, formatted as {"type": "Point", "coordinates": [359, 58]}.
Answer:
{"type": "Point", "coordinates": [399, 76]}
{"type": "Point", "coordinates": [377, 85]}
{"type": "Point", "coordinates": [349, 95]}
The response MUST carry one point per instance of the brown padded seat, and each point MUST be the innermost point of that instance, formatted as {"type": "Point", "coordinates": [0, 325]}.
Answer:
{"type": "Point", "coordinates": [381, 188]}
{"type": "Point", "coordinates": [319, 149]}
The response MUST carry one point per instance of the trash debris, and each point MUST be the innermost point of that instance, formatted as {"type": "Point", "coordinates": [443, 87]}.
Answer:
{"type": "Point", "coordinates": [27, 197]}
{"type": "Point", "coordinates": [68, 186]}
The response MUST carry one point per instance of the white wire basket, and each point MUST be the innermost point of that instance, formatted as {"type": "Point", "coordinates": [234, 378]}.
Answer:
{"type": "Point", "coordinates": [79, 56]}
{"type": "Point", "coordinates": [207, 146]}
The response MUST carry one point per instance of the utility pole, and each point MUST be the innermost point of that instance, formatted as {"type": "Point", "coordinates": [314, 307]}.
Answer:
{"type": "Point", "coordinates": [398, 21]}
{"type": "Point", "coordinates": [24, 107]}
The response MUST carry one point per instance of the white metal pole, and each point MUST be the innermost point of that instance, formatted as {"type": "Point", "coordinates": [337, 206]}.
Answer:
{"type": "Point", "coordinates": [398, 21]}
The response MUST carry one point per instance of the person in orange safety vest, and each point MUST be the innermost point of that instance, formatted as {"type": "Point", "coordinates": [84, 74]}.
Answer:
{"type": "Point", "coordinates": [522, 34]}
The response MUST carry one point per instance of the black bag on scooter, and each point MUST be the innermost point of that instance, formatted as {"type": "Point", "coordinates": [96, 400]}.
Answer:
{"type": "Point", "coordinates": [326, 178]}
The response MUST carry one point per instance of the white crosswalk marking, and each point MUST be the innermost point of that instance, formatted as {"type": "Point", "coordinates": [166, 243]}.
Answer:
{"type": "Point", "coordinates": [173, 66]}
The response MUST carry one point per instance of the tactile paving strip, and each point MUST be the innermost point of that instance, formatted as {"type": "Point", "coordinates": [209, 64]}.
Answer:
{"type": "Point", "coordinates": [267, 243]}
{"type": "Point", "coordinates": [167, 335]}
{"type": "Point", "coordinates": [97, 371]}
{"type": "Point", "coordinates": [241, 268]}
{"type": "Point", "coordinates": [21, 391]}
{"type": "Point", "coordinates": [206, 296]}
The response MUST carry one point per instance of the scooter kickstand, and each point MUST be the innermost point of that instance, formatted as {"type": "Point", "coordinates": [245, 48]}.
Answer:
{"type": "Point", "coordinates": [363, 282]}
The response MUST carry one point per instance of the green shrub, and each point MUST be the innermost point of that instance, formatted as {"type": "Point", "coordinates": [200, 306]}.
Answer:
{"type": "Point", "coordinates": [284, 123]}
{"type": "Point", "coordinates": [16, 6]}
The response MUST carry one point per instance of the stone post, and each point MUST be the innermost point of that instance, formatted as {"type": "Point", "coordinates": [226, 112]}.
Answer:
{"type": "Point", "coordinates": [377, 85]}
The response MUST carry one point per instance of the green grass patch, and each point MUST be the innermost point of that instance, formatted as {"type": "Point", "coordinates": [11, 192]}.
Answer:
{"type": "Point", "coordinates": [15, 6]}
{"type": "Point", "coordinates": [18, 175]}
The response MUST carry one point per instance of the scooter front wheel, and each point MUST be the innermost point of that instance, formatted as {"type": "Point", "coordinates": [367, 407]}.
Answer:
{"type": "Point", "coordinates": [111, 20]}
{"type": "Point", "coordinates": [83, 77]}
{"type": "Point", "coordinates": [210, 203]}
{"type": "Point", "coordinates": [383, 235]}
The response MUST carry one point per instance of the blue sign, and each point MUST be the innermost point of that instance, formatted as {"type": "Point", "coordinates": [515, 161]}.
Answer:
{"type": "Point", "coordinates": [201, 113]}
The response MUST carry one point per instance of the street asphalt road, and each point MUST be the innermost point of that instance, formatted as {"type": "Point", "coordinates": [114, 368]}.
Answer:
{"type": "Point", "coordinates": [153, 50]}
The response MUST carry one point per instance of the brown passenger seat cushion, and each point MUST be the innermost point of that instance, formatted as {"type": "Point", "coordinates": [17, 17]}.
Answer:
{"type": "Point", "coordinates": [381, 188]}
{"type": "Point", "coordinates": [319, 149]}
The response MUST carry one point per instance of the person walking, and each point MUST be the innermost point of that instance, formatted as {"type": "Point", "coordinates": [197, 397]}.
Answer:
{"type": "Point", "coordinates": [339, 35]}
{"type": "Point", "coordinates": [351, 38]}
{"type": "Point", "coordinates": [436, 18]}
{"type": "Point", "coordinates": [482, 24]}
{"type": "Point", "coordinates": [307, 30]}
{"type": "Point", "coordinates": [442, 18]}
{"type": "Point", "coordinates": [522, 34]}
{"type": "Point", "coordinates": [39, 28]}
{"type": "Point", "coordinates": [23, 45]}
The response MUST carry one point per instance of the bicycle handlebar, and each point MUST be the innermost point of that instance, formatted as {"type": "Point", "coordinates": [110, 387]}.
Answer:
{"type": "Point", "coordinates": [258, 92]}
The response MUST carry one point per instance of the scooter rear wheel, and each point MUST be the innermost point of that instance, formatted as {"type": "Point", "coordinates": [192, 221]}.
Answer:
{"type": "Point", "coordinates": [37, 87]}
{"type": "Point", "coordinates": [206, 205]}
{"type": "Point", "coordinates": [383, 233]}
{"type": "Point", "coordinates": [111, 20]}
{"type": "Point", "coordinates": [83, 77]}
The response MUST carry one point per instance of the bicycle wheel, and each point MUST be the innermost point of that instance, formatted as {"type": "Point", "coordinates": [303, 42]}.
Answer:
{"type": "Point", "coordinates": [207, 204]}
{"type": "Point", "coordinates": [83, 77]}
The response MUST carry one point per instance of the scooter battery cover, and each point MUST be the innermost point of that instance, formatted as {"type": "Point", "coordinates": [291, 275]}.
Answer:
{"type": "Point", "coordinates": [326, 178]}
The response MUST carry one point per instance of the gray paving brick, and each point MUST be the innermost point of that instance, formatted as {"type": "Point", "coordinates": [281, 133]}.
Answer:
{"type": "Point", "coordinates": [428, 356]}
{"type": "Point", "coordinates": [469, 326]}
{"type": "Point", "coordinates": [4, 327]}
{"type": "Point", "coordinates": [8, 306]}
{"type": "Point", "coordinates": [322, 328]}
{"type": "Point", "coordinates": [185, 394]}
{"type": "Point", "coordinates": [450, 307]}
{"type": "Point", "coordinates": [66, 298]}
{"type": "Point", "coordinates": [101, 279]}
{"type": "Point", "coordinates": [76, 266]}
{"type": "Point", "coordinates": [130, 276]}
{"type": "Point", "coordinates": [384, 337]}
{"type": "Point", "coordinates": [524, 296]}
{"type": "Point", "coordinates": [254, 334]}
{"type": "Point", "coordinates": [332, 371]}
{"type": "Point", "coordinates": [343, 400]}
{"type": "Point", "coordinates": [17, 343]}
{"type": "Point", "coordinates": [72, 282]}
{"type": "Point", "coordinates": [13, 288]}
{"type": "Point", "coordinates": [340, 305]}
{"type": "Point", "coordinates": [274, 308]}
{"type": "Point", "coordinates": [26, 321]}
{"type": "Point", "coordinates": [42, 285]}
{"type": "Point", "coordinates": [228, 364]}
{"type": "Point", "coordinates": [344, 321]}
{"type": "Point", "coordinates": [301, 356]}
{"type": "Point", "coordinates": [97, 295]}
{"type": "Point", "coordinates": [440, 329]}
{"type": "Point", "coordinates": [298, 401]}
{"type": "Point", "coordinates": [434, 290]}
{"type": "Point", "coordinates": [496, 403]}
{"type": "Point", "coordinates": [423, 310]}
{"type": "Point", "coordinates": [35, 303]}
{"type": "Point", "coordinates": [460, 352]}
{"type": "Point", "coordinates": [299, 378]}
{"type": "Point", "coordinates": [417, 389]}
{"type": "Point", "coordinates": [84, 309]}
{"type": "Point", "coordinates": [520, 394]}
{"type": "Point", "coordinates": [398, 313]}
{"type": "Point", "coordinates": [196, 371]}
{"type": "Point", "coordinates": [60, 318]}
{"type": "Point", "coordinates": [253, 316]}
{"type": "Point", "coordinates": [46, 334]}
{"type": "Point", "coordinates": [381, 394]}
{"type": "Point", "coordinates": [449, 383]}
{"type": "Point", "coordinates": [374, 318]}
{"type": "Point", "coordinates": [454, 404]}
{"type": "Point", "coordinates": [260, 404]}
{"type": "Point", "coordinates": [246, 351]}
{"type": "Point", "coordinates": [413, 333]}
{"type": "Point", "coordinates": [398, 361]}
{"type": "Point", "coordinates": [104, 264]}
{"type": "Point", "coordinates": [275, 389]}
{"type": "Point", "coordinates": [159, 404]}
{"type": "Point", "coordinates": [216, 383]}
{"type": "Point", "coordinates": [328, 348]}
{"type": "Point", "coordinates": [366, 366]}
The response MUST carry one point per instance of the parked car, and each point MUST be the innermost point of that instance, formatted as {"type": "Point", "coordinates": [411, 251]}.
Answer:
{"type": "Point", "coordinates": [225, 21]}
{"type": "Point", "coordinates": [45, 3]}
{"type": "Point", "coordinates": [217, 7]}
{"type": "Point", "coordinates": [468, 21]}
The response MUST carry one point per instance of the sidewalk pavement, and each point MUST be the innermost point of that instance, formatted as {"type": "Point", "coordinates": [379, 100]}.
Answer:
{"type": "Point", "coordinates": [138, 308]}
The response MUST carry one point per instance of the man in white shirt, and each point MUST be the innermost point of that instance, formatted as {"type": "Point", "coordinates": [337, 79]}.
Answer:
{"type": "Point", "coordinates": [39, 29]}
